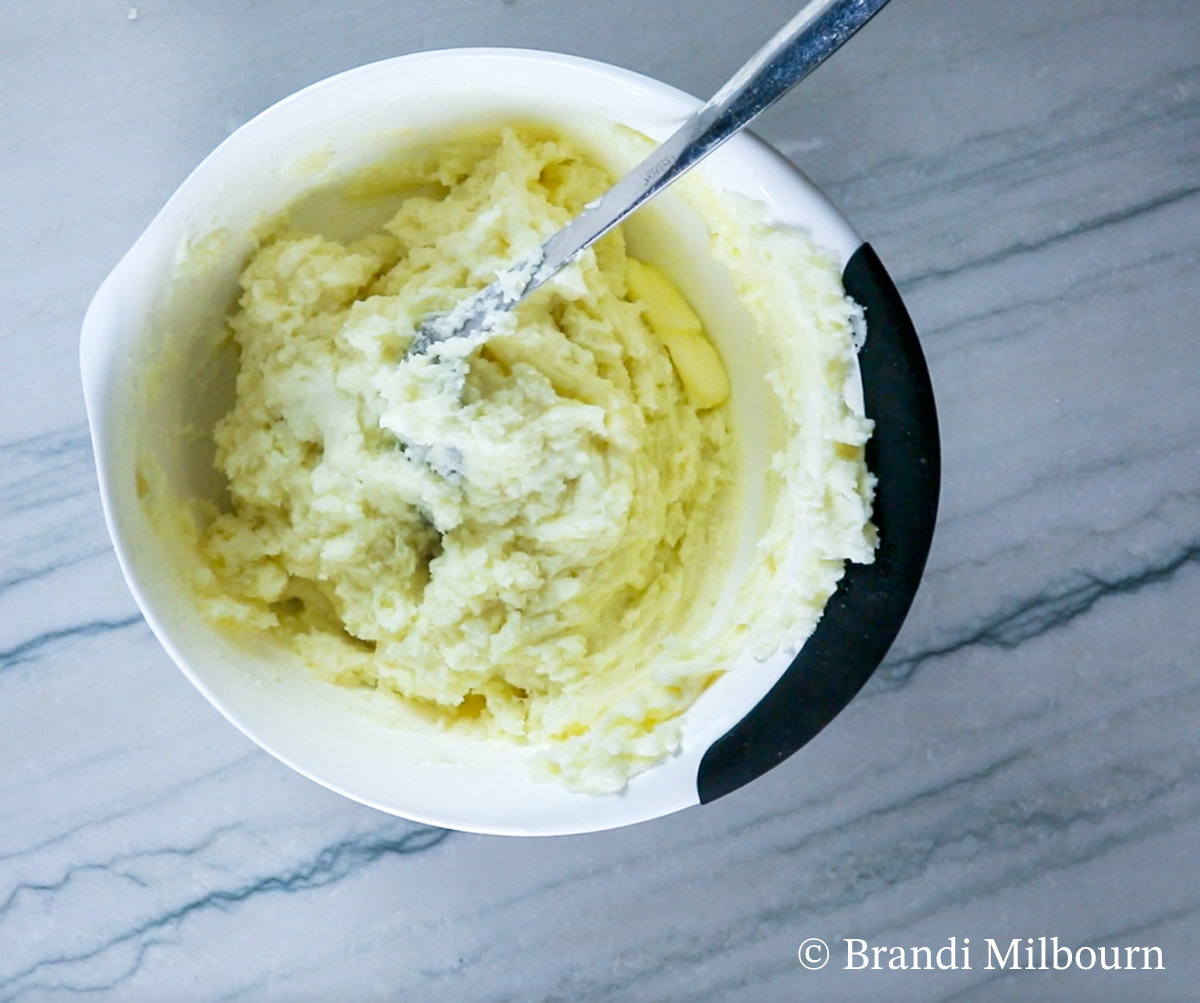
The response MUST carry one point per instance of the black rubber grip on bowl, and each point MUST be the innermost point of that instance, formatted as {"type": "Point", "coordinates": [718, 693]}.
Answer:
{"type": "Point", "coordinates": [865, 614]}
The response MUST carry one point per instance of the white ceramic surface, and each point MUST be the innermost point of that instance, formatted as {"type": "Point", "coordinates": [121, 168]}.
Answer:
{"type": "Point", "coordinates": [161, 309]}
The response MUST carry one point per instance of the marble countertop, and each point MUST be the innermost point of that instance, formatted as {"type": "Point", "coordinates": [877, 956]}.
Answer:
{"type": "Point", "coordinates": [1026, 764]}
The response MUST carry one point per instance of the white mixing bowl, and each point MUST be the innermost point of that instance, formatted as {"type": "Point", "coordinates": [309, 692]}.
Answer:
{"type": "Point", "coordinates": [151, 329]}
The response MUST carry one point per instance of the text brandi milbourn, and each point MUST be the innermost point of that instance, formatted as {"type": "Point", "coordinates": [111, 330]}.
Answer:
{"type": "Point", "coordinates": [1041, 954]}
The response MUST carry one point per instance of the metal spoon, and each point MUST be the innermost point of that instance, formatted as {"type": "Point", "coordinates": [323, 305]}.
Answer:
{"type": "Point", "coordinates": [803, 44]}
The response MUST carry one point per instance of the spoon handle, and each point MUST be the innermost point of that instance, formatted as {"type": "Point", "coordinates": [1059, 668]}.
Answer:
{"type": "Point", "coordinates": [803, 44]}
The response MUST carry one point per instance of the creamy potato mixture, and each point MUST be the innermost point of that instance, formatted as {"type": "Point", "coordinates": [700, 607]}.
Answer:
{"type": "Point", "coordinates": [528, 542]}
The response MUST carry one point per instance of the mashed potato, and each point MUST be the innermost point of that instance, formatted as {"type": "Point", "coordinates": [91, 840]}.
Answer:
{"type": "Point", "coordinates": [528, 542]}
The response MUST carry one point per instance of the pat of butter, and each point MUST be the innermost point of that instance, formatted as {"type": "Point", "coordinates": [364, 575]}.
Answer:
{"type": "Point", "coordinates": [680, 330]}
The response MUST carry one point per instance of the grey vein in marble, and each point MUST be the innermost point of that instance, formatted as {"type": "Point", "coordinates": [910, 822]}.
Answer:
{"type": "Point", "coordinates": [118, 957]}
